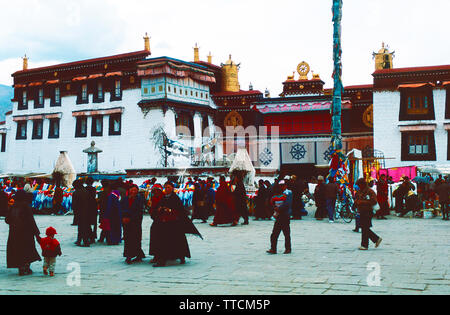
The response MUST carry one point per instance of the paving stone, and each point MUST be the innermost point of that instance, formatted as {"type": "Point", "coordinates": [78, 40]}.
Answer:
{"type": "Point", "coordinates": [232, 260]}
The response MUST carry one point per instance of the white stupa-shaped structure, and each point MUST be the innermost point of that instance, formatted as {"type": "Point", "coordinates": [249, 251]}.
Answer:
{"type": "Point", "coordinates": [64, 166]}
{"type": "Point", "coordinates": [243, 163]}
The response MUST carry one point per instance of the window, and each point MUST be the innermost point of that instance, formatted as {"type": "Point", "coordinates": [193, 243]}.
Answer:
{"type": "Point", "coordinates": [447, 104]}
{"type": "Point", "coordinates": [97, 126]}
{"type": "Point", "coordinates": [153, 89]}
{"type": "Point", "coordinates": [83, 94]}
{"type": "Point", "coordinates": [21, 130]}
{"type": "Point", "coordinates": [115, 122]}
{"type": "Point", "coordinates": [39, 100]}
{"type": "Point", "coordinates": [37, 129]}
{"type": "Point", "coordinates": [116, 94]}
{"type": "Point", "coordinates": [23, 101]}
{"type": "Point", "coordinates": [160, 88]}
{"type": "Point", "coordinates": [99, 95]}
{"type": "Point", "coordinates": [418, 146]}
{"type": "Point", "coordinates": [56, 97]}
{"type": "Point", "coordinates": [81, 127]}
{"type": "Point", "coordinates": [53, 131]}
{"type": "Point", "coordinates": [185, 120]}
{"type": "Point", "coordinates": [3, 145]}
{"type": "Point", "coordinates": [416, 104]}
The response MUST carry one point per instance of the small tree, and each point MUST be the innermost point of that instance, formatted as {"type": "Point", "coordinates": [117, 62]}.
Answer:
{"type": "Point", "coordinates": [161, 143]}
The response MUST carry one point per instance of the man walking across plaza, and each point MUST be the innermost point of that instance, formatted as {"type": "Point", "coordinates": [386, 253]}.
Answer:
{"type": "Point", "coordinates": [281, 208]}
{"type": "Point", "coordinates": [365, 199]}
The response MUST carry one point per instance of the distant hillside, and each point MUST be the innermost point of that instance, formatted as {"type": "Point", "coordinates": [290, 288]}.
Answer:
{"type": "Point", "coordinates": [6, 94]}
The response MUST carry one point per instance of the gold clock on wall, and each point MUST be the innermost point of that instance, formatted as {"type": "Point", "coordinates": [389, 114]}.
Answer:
{"type": "Point", "coordinates": [303, 70]}
{"type": "Point", "coordinates": [233, 119]}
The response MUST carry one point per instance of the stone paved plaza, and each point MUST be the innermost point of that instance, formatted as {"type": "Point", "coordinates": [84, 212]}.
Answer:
{"type": "Point", "coordinates": [412, 259]}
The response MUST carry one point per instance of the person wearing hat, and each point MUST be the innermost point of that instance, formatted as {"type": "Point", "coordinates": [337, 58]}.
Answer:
{"type": "Point", "coordinates": [50, 249]}
{"type": "Point", "coordinates": [282, 220]}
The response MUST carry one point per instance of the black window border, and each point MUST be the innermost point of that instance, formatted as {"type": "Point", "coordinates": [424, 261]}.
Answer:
{"type": "Point", "coordinates": [36, 98]}
{"type": "Point", "coordinates": [51, 131]}
{"type": "Point", "coordinates": [96, 99]}
{"type": "Point", "coordinates": [78, 133]}
{"type": "Point", "coordinates": [113, 97]}
{"type": "Point", "coordinates": [53, 102]}
{"type": "Point", "coordinates": [20, 104]}
{"type": "Point", "coordinates": [34, 135]}
{"type": "Point", "coordinates": [405, 156]}
{"type": "Point", "coordinates": [93, 120]}
{"type": "Point", "coordinates": [3, 142]}
{"type": "Point", "coordinates": [111, 125]}
{"type": "Point", "coordinates": [18, 136]}
{"type": "Point", "coordinates": [80, 94]}
{"type": "Point", "coordinates": [447, 103]}
{"type": "Point", "coordinates": [404, 93]}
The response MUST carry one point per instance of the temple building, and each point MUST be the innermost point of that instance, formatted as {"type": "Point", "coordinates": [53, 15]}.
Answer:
{"type": "Point", "coordinates": [120, 102]}
{"type": "Point", "coordinates": [411, 113]}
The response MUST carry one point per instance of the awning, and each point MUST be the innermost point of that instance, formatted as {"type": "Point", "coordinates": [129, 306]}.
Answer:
{"type": "Point", "coordinates": [113, 74]}
{"type": "Point", "coordinates": [35, 84]}
{"type": "Point", "coordinates": [98, 112]}
{"type": "Point", "coordinates": [430, 127]}
{"type": "Point", "coordinates": [414, 85]}
{"type": "Point", "coordinates": [445, 83]}
{"type": "Point", "coordinates": [79, 79]}
{"type": "Point", "coordinates": [53, 82]}
{"type": "Point", "coordinates": [95, 76]}
{"type": "Point", "coordinates": [37, 117]}
{"type": "Point", "coordinates": [20, 85]}
{"type": "Point", "coordinates": [447, 126]}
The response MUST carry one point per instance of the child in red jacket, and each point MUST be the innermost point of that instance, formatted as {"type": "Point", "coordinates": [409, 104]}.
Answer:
{"type": "Point", "coordinates": [50, 249]}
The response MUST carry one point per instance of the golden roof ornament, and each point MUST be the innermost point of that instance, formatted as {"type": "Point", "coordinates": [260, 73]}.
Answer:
{"type": "Point", "coordinates": [384, 58]}
{"type": "Point", "coordinates": [25, 62]}
{"type": "Point", "coordinates": [209, 58]}
{"type": "Point", "coordinates": [303, 70]}
{"type": "Point", "coordinates": [230, 80]}
{"type": "Point", "coordinates": [196, 53]}
{"type": "Point", "coordinates": [147, 42]}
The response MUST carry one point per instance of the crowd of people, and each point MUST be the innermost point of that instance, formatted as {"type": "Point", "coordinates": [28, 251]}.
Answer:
{"type": "Point", "coordinates": [119, 208]}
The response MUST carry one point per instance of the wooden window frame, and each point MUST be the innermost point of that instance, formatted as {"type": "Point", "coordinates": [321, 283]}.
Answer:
{"type": "Point", "coordinates": [406, 155]}
{"type": "Point", "coordinates": [3, 142]}
{"type": "Point", "coordinates": [409, 94]}
{"type": "Point", "coordinates": [115, 96]}
{"type": "Point", "coordinates": [51, 130]}
{"type": "Point", "coordinates": [99, 87]}
{"type": "Point", "coordinates": [80, 99]}
{"type": "Point", "coordinates": [78, 127]}
{"type": "Point", "coordinates": [54, 102]}
{"type": "Point", "coordinates": [35, 135]}
{"type": "Point", "coordinates": [94, 132]}
{"type": "Point", "coordinates": [23, 100]}
{"type": "Point", "coordinates": [112, 132]}
{"type": "Point", "coordinates": [19, 126]}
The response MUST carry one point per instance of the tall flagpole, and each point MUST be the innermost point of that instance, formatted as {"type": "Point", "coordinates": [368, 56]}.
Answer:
{"type": "Point", "coordinates": [339, 169]}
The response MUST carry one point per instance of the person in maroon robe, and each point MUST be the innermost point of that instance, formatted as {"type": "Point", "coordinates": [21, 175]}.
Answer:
{"type": "Point", "coordinates": [225, 209]}
{"type": "Point", "coordinates": [382, 197]}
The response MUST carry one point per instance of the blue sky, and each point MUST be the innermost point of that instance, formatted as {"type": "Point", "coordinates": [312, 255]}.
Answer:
{"type": "Point", "coordinates": [268, 38]}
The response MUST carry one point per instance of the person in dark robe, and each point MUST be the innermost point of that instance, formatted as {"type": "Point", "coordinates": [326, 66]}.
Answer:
{"type": "Point", "coordinates": [80, 206]}
{"type": "Point", "coordinates": [168, 241]}
{"type": "Point", "coordinates": [225, 208]}
{"type": "Point", "coordinates": [240, 199]}
{"type": "Point", "coordinates": [3, 203]}
{"type": "Point", "coordinates": [156, 196]}
{"type": "Point", "coordinates": [320, 200]}
{"type": "Point", "coordinates": [200, 210]}
{"type": "Point", "coordinates": [112, 219]}
{"type": "Point", "coordinates": [260, 201]}
{"type": "Point", "coordinates": [103, 204]}
{"type": "Point", "coordinates": [296, 185]}
{"type": "Point", "coordinates": [210, 197]}
{"type": "Point", "coordinates": [365, 199]}
{"type": "Point", "coordinates": [57, 199]}
{"type": "Point", "coordinates": [132, 210]}
{"type": "Point", "coordinates": [21, 247]}
{"type": "Point", "coordinates": [92, 208]}
{"type": "Point", "coordinates": [382, 197]}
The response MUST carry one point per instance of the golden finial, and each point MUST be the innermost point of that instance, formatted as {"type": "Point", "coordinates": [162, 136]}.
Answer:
{"type": "Point", "coordinates": [196, 53]}
{"type": "Point", "coordinates": [209, 58]}
{"type": "Point", "coordinates": [291, 77]}
{"type": "Point", "coordinates": [147, 42]}
{"type": "Point", "coordinates": [25, 62]}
